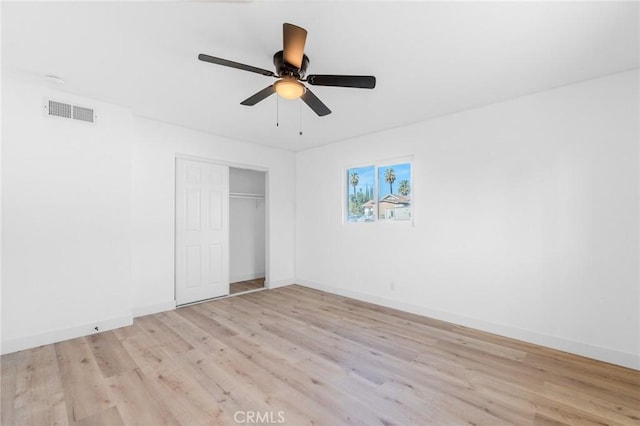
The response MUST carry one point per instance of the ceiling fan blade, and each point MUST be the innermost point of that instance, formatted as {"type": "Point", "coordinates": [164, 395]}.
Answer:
{"type": "Point", "coordinates": [315, 104]}
{"type": "Point", "coordinates": [263, 94]}
{"type": "Point", "coordinates": [294, 39]}
{"type": "Point", "coordinates": [237, 65]}
{"type": "Point", "coordinates": [357, 81]}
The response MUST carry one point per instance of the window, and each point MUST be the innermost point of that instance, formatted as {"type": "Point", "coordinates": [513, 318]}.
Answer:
{"type": "Point", "coordinates": [361, 186]}
{"type": "Point", "coordinates": [379, 193]}
{"type": "Point", "coordinates": [394, 192]}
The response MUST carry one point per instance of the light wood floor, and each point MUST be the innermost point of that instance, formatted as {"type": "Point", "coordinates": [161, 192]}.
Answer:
{"type": "Point", "coordinates": [310, 358]}
{"type": "Point", "coordinates": [243, 286]}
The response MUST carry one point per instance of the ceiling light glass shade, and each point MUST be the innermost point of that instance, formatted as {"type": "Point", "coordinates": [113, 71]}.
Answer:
{"type": "Point", "coordinates": [289, 88]}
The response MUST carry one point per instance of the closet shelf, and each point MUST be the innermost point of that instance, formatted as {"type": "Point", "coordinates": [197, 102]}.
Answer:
{"type": "Point", "coordinates": [246, 195]}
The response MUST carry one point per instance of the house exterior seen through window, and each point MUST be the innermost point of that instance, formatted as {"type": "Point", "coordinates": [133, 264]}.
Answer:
{"type": "Point", "coordinates": [379, 193]}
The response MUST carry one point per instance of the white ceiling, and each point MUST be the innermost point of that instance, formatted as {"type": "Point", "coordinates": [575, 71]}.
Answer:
{"type": "Point", "coordinates": [429, 58]}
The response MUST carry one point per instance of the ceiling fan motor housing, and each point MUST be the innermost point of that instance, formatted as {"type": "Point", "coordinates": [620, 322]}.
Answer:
{"type": "Point", "coordinates": [285, 69]}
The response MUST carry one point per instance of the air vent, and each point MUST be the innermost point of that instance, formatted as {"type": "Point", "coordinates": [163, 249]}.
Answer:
{"type": "Point", "coordinates": [82, 114]}
{"type": "Point", "coordinates": [59, 109]}
{"type": "Point", "coordinates": [66, 110]}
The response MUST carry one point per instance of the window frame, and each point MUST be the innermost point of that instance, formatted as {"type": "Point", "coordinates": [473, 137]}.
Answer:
{"type": "Point", "coordinates": [376, 190]}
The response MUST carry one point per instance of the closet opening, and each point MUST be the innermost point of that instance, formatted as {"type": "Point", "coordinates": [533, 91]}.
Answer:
{"type": "Point", "coordinates": [247, 230]}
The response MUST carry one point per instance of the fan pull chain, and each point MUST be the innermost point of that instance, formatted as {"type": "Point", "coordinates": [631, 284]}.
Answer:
{"type": "Point", "coordinates": [300, 103]}
{"type": "Point", "coordinates": [277, 111]}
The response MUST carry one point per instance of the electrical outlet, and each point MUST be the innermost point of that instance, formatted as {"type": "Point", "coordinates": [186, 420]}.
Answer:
{"type": "Point", "coordinates": [392, 286]}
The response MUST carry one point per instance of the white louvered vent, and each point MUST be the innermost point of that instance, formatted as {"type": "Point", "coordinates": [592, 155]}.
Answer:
{"type": "Point", "coordinates": [66, 110]}
{"type": "Point", "coordinates": [82, 113]}
{"type": "Point", "coordinates": [59, 109]}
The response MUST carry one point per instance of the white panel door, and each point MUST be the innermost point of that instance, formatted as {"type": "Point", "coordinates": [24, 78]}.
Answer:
{"type": "Point", "coordinates": [202, 231]}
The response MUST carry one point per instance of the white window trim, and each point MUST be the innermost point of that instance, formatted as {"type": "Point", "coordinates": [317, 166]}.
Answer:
{"type": "Point", "coordinates": [407, 159]}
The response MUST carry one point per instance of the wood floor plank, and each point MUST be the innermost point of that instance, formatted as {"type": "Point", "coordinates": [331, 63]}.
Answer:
{"type": "Point", "coordinates": [137, 402]}
{"type": "Point", "coordinates": [441, 408]}
{"type": "Point", "coordinates": [180, 387]}
{"type": "Point", "coordinates": [233, 317]}
{"type": "Point", "coordinates": [204, 322]}
{"type": "Point", "coordinates": [148, 354]}
{"type": "Point", "coordinates": [625, 389]}
{"type": "Point", "coordinates": [377, 317]}
{"type": "Point", "coordinates": [237, 382]}
{"type": "Point", "coordinates": [427, 332]}
{"type": "Point", "coordinates": [386, 407]}
{"type": "Point", "coordinates": [305, 384]}
{"type": "Point", "coordinates": [241, 286]}
{"type": "Point", "coordinates": [164, 335]}
{"type": "Point", "coordinates": [112, 358]}
{"type": "Point", "coordinates": [366, 361]}
{"type": "Point", "coordinates": [284, 371]}
{"type": "Point", "coordinates": [277, 372]}
{"type": "Point", "coordinates": [49, 411]}
{"type": "Point", "coordinates": [109, 417]}
{"type": "Point", "coordinates": [366, 336]}
{"type": "Point", "coordinates": [567, 415]}
{"type": "Point", "coordinates": [39, 393]}
{"type": "Point", "coordinates": [314, 358]}
{"type": "Point", "coordinates": [596, 407]}
{"type": "Point", "coordinates": [9, 377]}
{"type": "Point", "coordinates": [195, 336]}
{"type": "Point", "coordinates": [270, 369]}
{"type": "Point", "coordinates": [85, 391]}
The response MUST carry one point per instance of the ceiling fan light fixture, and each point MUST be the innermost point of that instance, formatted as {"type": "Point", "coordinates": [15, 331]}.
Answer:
{"type": "Point", "coordinates": [289, 88]}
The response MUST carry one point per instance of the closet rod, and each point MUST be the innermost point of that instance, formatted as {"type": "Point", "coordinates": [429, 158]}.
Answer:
{"type": "Point", "coordinates": [244, 195]}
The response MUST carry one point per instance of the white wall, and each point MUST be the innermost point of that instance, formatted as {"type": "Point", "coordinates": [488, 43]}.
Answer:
{"type": "Point", "coordinates": [155, 149]}
{"type": "Point", "coordinates": [88, 215]}
{"type": "Point", "coordinates": [66, 197]}
{"type": "Point", "coordinates": [246, 225]}
{"type": "Point", "coordinates": [246, 181]}
{"type": "Point", "coordinates": [246, 239]}
{"type": "Point", "coordinates": [526, 220]}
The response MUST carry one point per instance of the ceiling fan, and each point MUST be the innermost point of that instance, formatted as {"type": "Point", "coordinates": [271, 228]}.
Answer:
{"type": "Point", "coordinates": [291, 67]}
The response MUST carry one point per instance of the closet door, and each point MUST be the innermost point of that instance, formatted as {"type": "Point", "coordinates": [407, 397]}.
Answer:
{"type": "Point", "coordinates": [202, 231]}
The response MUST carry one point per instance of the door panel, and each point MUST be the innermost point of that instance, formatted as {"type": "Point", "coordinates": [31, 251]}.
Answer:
{"type": "Point", "coordinates": [193, 209]}
{"type": "Point", "coordinates": [202, 231]}
{"type": "Point", "coordinates": [215, 262]}
{"type": "Point", "coordinates": [215, 209]}
{"type": "Point", "coordinates": [192, 265]}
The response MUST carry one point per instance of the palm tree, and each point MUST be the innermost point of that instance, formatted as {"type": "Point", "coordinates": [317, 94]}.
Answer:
{"type": "Point", "coordinates": [390, 177]}
{"type": "Point", "coordinates": [353, 180]}
{"type": "Point", "coordinates": [404, 187]}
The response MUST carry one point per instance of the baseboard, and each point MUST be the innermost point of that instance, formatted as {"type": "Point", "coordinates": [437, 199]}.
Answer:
{"type": "Point", "coordinates": [141, 311]}
{"type": "Point", "coordinates": [14, 345]}
{"type": "Point", "coordinates": [602, 354]}
{"type": "Point", "coordinates": [245, 277]}
{"type": "Point", "coordinates": [280, 283]}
